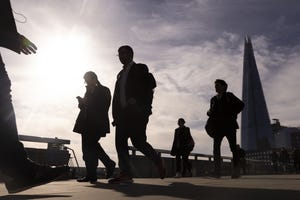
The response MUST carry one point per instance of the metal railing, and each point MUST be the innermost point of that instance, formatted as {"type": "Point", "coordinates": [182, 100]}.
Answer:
{"type": "Point", "coordinates": [195, 155]}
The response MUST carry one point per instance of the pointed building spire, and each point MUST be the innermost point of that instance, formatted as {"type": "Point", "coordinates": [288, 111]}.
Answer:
{"type": "Point", "coordinates": [246, 39]}
{"type": "Point", "coordinates": [256, 131]}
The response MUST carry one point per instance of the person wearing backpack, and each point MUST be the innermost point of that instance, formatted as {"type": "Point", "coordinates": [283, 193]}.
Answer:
{"type": "Point", "coordinates": [131, 109]}
{"type": "Point", "coordinates": [224, 108]}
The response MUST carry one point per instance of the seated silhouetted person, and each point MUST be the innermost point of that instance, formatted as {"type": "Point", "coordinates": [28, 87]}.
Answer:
{"type": "Point", "coordinates": [224, 108]}
{"type": "Point", "coordinates": [22, 172]}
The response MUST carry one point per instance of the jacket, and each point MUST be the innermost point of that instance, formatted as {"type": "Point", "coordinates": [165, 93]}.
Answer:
{"type": "Point", "coordinates": [93, 116]}
{"type": "Point", "coordinates": [137, 88]}
{"type": "Point", "coordinates": [183, 141]}
{"type": "Point", "coordinates": [224, 111]}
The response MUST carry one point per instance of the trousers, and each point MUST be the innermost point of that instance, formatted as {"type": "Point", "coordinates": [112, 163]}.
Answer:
{"type": "Point", "coordinates": [13, 157]}
{"type": "Point", "coordinates": [231, 137]}
{"type": "Point", "coordinates": [186, 165]}
{"type": "Point", "coordinates": [136, 131]}
{"type": "Point", "coordinates": [92, 151]}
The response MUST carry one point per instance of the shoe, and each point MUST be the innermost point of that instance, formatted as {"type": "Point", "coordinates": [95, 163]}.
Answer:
{"type": "Point", "coordinates": [178, 175]}
{"type": "Point", "coordinates": [43, 175]}
{"type": "Point", "coordinates": [187, 174]}
{"type": "Point", "coordinates": [93, 181]}
{"type": "Point", "coordinates": [216, 175]}
{"type": "Point", "coordinates": [87, 179]}
{"type": "Point", "coordinates": [83, 179]}
{"type": "Point", "coordinates": [161, 169]}
{"type": "Point", "coordinates": [121, 179]}
{"type": "Point", "coordinates": [236, 173]}
{"type": "Point", "coordinates": [110, 170]}
{"type": "Point", "coordinates": [234, 176]}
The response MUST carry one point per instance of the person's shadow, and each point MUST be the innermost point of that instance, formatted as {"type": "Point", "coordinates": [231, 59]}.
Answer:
{"type": "Point", "coordinates": [190, 191]}
{"type": "Point", "coordinates": [27, 197]}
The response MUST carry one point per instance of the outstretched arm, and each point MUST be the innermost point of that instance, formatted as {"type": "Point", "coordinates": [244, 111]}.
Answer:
{"type": "Point", "coordinates": [9, 36]}
{"type": "Point", "coordinates": [26, 46]}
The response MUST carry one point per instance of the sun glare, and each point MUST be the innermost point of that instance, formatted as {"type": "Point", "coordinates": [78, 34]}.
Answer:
{"type": "Point", "coordinates": [61, 65]}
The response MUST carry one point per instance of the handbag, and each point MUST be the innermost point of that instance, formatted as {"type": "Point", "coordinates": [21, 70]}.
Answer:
{"type": "Point", "coordinates": [80, 124]}
{"type": "Point", "coordinates": [210, 127]}
{"type": "Point", "coordinates": [191, 144]}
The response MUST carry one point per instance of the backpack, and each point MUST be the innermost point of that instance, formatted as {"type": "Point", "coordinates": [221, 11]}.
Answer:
{"type": "Point", "coordinates": [151, 85]}
{"type": "Point", "coordinates": [234, 107]}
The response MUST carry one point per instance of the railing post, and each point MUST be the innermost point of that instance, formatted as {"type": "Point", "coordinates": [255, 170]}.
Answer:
{"type": "Point", "coordinates": [133, 152]}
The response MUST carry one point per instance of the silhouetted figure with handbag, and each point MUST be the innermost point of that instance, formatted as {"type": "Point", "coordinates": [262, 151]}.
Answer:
{"type": "Point", "coordinates": [183, 144]}
{"type": "Point", "coordinates": [224, 108]}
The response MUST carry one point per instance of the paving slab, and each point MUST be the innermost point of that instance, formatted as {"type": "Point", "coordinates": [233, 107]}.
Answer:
{"type": "Point", "coordinates": [273, 187]}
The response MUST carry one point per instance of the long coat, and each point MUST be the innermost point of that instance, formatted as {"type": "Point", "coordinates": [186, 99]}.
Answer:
{"type": "Point", "coordinates": [183, 141]}
{"type": "Point", "coordinates": [93, 116]}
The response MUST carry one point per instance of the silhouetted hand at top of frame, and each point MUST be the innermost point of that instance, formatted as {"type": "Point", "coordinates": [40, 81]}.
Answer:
{"type": "Point", "coordinates": [26, 46]}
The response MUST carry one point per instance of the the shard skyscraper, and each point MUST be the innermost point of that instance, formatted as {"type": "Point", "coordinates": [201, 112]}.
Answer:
{"type": "Point", "coordinates": [256, 131]}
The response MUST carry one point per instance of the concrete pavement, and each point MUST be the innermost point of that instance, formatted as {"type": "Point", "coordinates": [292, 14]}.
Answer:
{"type": "Point", "coordinates": [273, 187]}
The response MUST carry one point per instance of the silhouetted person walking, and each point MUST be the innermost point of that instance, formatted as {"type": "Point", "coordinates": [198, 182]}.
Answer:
{"type": "Point", "coordinates": [131, 110]}
{"type": "Point", "coordinates": [284, 159]}
{"type": "Point", "coordinates": [183, 144]}
{"type": "Point", "coordinates": [274, 160]}
{"type": "Point", "coordinates": [242, 158]}
{"type": "Point", "coordinates": [93, 123]}
{"type": "Point", "coordinates": [296, 158]}
{"type": "Point", "coordinates": [14, 162]}
{"type": "Point", "coordinates": [224, 108]}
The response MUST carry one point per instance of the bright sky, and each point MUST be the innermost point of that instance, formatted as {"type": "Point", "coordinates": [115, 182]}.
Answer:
{"type": "Point", "coordinates": [186, 45]}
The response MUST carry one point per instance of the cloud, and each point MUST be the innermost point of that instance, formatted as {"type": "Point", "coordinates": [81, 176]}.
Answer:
{"type": "Point", "coordinates": [186, 45]}
{"type": "Point", "coordinates": [282, 90]}
{"type": "Point", "coordinates": [186, 76]}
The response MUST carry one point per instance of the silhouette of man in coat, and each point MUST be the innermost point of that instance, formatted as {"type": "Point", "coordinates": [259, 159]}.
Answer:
{"type": "Point", "coordinates": [224, 108]}
{"type": "Point", "coordinates": [131, 110]}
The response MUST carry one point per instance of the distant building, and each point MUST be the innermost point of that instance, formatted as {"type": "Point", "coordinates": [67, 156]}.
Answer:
{"type": "Point", "coordinates": [256, 130]}
{"type": "Point", "coordinates": [288, 137]}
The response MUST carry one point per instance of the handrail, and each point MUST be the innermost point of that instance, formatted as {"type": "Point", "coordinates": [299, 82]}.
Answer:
{"type": "Point", "coordinates": [43, 139]}
{"type": "Point", "coordinates": [68, 148]}
{"type": "Point", "coordinates": [196, 155]}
